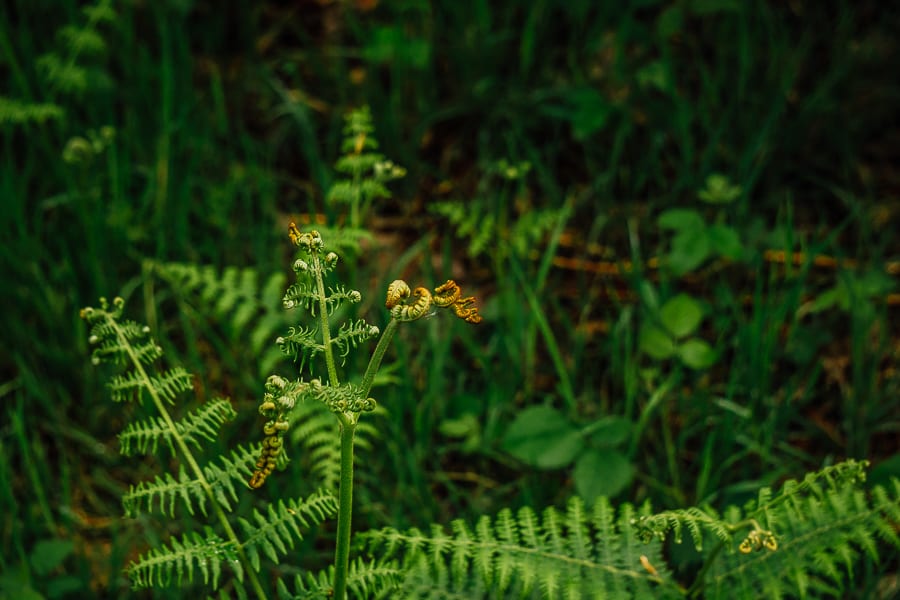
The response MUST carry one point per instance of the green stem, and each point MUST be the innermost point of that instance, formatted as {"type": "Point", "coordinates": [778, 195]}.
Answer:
{"type": "Point", "coordinates": [323, 321]}
{"type": "Point", "coordinates": [375, 362]}
{"type": "Point", "coordinates": [345, 510]}
{"type": "Point", "coordinates": [345, 493]}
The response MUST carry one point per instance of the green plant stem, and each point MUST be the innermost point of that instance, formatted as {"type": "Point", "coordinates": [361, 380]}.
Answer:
{"type": "Point", "coordinates": [375, 362]}
{"type": "Point", "coordinates": [189, 458]}
{"type": "Point", "coordinates": [345, 510]}
{"type": "Point", "coordinates": [345, 493]}
{"type": "Point", "coordinates": [324, 328]}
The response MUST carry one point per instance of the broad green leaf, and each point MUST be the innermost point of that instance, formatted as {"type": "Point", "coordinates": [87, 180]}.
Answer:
{"type": "Point", "coordinates": [655, 342]}
{"type": "Point", "coordinates": [609, 431]}
{"type": "Point", "coordinates": [725, 241]}
{"type": "Point", "coordinates": [681, 315]}
{"type": "Point", "coordinates": [49, 554]}
{"type": "Point", "coordinates": [690, 249]}
{"type": "Point", "coordinates": [542, 437]}
{"type": "Point", "coordinates": [681, 219]}
{"type": "Point", "coordinates": [697, 354]}
{"type": "Point", "coordinates": [602, 472]}
{"type": "Point", "coordinates": [461, 427]}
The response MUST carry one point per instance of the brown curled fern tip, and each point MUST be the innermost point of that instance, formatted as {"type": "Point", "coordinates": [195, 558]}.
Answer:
{"type": "Point", "coordinates": [277, 402]}
{"type": "Point", "coordinates": [409, 306]}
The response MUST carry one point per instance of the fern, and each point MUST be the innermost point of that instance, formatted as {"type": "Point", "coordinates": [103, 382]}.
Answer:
{"type": "Point", "coordinates": [144, 436]}
{"type": "Point", "coordinates": [176, 562]}
{"type": "Point", "coordinates": [17, 112]}
{"type": "Point", "coordinates": [243, 302]}
{"type": "Point", "coordinates": [273, 533]}
{"type": "Point", "coordinates": [575, 554]}
{"type": "Point", "coordinates": [367, 170]}
{"type": "Point", "coordinates": [803, 540]}
{"type": "Point", "coordinates": [72, 68]}
{"type": "Point", "coordinates": [364, 580]}
{"type": "Point", "coordinates": [210, 488]}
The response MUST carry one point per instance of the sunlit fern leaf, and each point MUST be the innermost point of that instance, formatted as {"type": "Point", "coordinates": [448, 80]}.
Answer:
{"type": "Point", "coordinates": [176, 562]}
{"type": "Point", "coordinates": [273, 533]}
{"type": "Point", "coordinates": [203, 423]}
{"type": "Point", "coordinates": [365, 579]}
{"type": "Point", "coordinates": [522, 555]}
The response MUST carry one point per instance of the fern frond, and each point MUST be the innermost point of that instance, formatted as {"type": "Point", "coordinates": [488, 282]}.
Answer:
{"type": "Point", "coordinates": [177, 561]}
{"type": "Point", "coordinates": [821, 532]}
{"type": "Point", "coordinates": [364, 580]}
{"type": "Point", "coordinates": [17, 112]}
{"type": "Point", "coordinates": [275, 532]}
{"type": "Point", "coordinates": [353, 333]}
{"type": "Point", "coordinates": [168, 384]}
{"type": "Point", "coordinates": [315, 432]}
{"type": "Point", "coordinates": [561, 555]}
{"type": "Point", "coordinates": [247, 306]}
{"type": "Point", "coordinates": [230, 470]}
{"type": "Point", "coordinates": [163, 492]}
{"type": "Point", "coordinates": [345, 240]}
{"type": "Point", "coordinates": [300, 343]}
{"type": "Point", "coordinates": [301, 294]}
{"type": "Point", "coordinates": [144, 436]}
{"type": "Point", "coordinates": [194, 485]}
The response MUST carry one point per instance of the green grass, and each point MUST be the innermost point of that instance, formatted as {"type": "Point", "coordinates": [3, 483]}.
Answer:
{"type": "Point", "coordinates": [621, 110]}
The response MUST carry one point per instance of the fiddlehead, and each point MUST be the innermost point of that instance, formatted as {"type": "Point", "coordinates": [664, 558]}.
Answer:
{"type": "Point", "coordinates": [446, 295]}
{"type": "Point", "coordinates": [275, 406]}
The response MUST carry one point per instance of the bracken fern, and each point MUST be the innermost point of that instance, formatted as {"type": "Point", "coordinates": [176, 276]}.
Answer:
{"type": "Point", "coordinates": [204, 552]}
{"type": "Point", "coordinates": [802, 541]}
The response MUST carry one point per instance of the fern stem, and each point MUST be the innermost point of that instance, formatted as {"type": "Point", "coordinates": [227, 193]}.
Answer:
{"type": "Point", "coordinates": [345, 493]}
{"type": "Point", "coordinates": [188, 456]}
{"type": "Point", "coordinates": [323, 320]}
{"type": "Point", "coordinates": [345, 510]}
{"type": "Point", "coordinates": [375, 362]}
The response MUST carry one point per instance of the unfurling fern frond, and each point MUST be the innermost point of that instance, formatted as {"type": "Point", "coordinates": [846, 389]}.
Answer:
{"type": "Point", "coordinates": [576, 554]}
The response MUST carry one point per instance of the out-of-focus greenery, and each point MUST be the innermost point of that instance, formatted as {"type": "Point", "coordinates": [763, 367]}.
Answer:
{"type": "Point", "coordinates": [706, 292]}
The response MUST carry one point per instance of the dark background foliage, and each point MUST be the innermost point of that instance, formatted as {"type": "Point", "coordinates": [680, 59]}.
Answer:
{"type": "Point", "coordinates": [223, 123]}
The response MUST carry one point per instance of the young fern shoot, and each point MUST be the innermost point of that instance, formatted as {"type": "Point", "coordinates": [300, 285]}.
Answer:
{"type": "Point", "coordinates": [346, 400]}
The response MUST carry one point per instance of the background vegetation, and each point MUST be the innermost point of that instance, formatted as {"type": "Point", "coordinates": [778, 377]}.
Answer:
{"type": "Point", "coordinates": [679, 218]}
